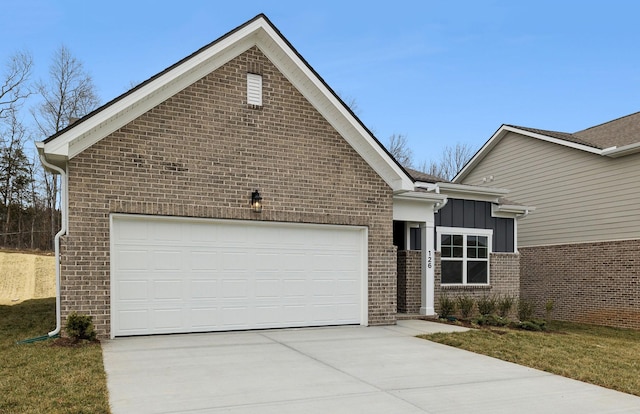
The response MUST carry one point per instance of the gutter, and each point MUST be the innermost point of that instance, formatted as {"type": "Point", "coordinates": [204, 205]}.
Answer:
{"type": "Point", "coordinates": [62, 232]}
{"type": "Point", "coordinates": [615, 152]}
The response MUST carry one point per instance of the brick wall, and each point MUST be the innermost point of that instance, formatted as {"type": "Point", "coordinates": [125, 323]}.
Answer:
{"type": "Point", "coordinates": [595, 283]}
{"type": "Point", "coordinates": [200, 154]}
{"type": "Point", "coordinates": [409, 281]}
{"type": "Point", "coordinates": [504, 275]}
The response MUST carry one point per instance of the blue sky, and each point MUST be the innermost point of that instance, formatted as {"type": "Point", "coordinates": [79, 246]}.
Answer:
{"type": "Point", "coordinates": [440, 72]}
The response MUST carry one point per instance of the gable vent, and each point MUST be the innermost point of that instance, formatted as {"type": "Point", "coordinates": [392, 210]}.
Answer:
{"type": "Point", "coordinates": [254, 89]}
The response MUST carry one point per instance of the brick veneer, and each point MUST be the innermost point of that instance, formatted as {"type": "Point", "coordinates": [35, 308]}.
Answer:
{"type": "Point", "coordinates": [504, 274]}
{"type": "Point", "coordinates": [504, 277]}
{"type": "Point", "coordinates": [409, 281]}
{"type": "Point", "coordinates": [588, 282]}
{"type": "Point", "coordinates": [200, 154]}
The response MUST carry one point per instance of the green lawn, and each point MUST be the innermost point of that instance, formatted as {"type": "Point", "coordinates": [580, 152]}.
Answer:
{"type": "Point", "coordinates": [41, 378]}
{"type": "Point", "coordinates": [603, 356]}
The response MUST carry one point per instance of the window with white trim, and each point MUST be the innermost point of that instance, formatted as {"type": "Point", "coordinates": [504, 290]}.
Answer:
{"type": "Point", "coordinates": [464, 255]}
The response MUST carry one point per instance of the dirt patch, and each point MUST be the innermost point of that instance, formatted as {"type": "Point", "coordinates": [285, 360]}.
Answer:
{"type": "Point", "coordinates": [66, 342]}
{"type": "Point", "coordinates": [26, 276]}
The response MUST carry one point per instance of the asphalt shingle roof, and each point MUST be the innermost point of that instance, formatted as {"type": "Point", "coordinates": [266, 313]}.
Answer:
{"type": "Point", "coordinates": [616, 133]}
{"type": "Point", "coordinates": [422, 176]}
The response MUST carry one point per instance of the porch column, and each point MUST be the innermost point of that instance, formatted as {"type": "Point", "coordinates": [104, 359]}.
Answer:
{"type": "Point", "coordinates": [428, 262]}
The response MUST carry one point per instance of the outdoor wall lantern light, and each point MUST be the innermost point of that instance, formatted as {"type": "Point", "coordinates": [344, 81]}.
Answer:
{"type": "Point", "coordinates": [256, 202]}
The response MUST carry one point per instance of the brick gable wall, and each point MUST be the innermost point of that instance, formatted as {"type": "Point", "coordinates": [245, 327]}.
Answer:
{"type": "Point", "coordinates": [595, 283]}
{"type": "Point", "coordinates": [200, 154]}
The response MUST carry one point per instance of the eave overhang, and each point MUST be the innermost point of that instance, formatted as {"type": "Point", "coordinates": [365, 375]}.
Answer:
{"type": "Point", "coordinates": [417, 206]}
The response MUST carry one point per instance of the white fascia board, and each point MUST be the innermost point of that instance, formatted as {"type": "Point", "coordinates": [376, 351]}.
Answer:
{"type": "Point", "coordinates": [333, 110]}
{"type": "Point", "coordinates": [482, 152]}
{"type": "Point", "coordinates": [108, 120]}
{"type": "Point", "coordinates": [416, 207]}
{"type": "Point", "coordinates": [558, 141]}
{"type": "Point", "coordinates": [504, 130]}
{"type": "Point", "coordinates": [472, 192]}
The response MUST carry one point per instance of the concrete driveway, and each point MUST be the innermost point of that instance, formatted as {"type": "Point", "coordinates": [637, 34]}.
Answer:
{"type": "Point", "coordinates": [334, 370]}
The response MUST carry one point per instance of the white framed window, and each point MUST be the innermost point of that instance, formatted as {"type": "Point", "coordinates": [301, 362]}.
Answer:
{"type": "Point", "coordinates": [464, 255]}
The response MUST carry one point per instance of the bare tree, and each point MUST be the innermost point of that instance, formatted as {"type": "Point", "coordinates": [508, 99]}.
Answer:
{"type": "Point", "coordinates": [450, 163]}
{"type": "Point", "coordinates": [14, 88]}
{"type": "Point", "coordinates": [68, 93]}
{"type": "Point", "coordinates": [399, 148]}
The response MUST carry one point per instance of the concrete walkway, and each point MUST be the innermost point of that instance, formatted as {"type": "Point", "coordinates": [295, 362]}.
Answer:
{"type": "Point", "coordinates": [334, 370]}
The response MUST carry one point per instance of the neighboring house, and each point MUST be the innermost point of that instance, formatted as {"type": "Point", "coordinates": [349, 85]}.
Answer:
{"type": "Point", "coordinates": [234, 190]}
{"type": "Point", "coordinates": [580, 251]}
{"type": "Point", "coordinates": [476, 251]}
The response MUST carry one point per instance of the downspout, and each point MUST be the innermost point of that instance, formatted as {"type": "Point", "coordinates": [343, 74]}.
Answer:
{"type": "Point", "coordinates": [515, 229]}
{"type": "Point", "coordinates": [62, 232]}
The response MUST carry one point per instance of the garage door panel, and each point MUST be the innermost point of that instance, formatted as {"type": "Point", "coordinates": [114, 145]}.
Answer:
{"type": "Point", "coordinates": [209, 275]}
{"type": "Point", "coordinates": [170, 231]}
{"type": "Point", "coordinates": [204, 289]}
{"type": "Point", "coordinates": [204, 318]}
{"type": "Point", "coordinates": [235, 316]}
{"type": "Point", "coordinates": [132, 232]}
{"type": "Point", "coordinates": [167, 289]}
{"type": "Point", "coordinates": [132, 259]}
{"type": "Point", "coordinates": [235, 289]}
{"type": "Point", "coordinates": [235, 260]}
{"type": "Point", "coordinates": [293, 288]}
{"type": "Point", "coordinates": [132, 320]}
{"type": "Point", "coordinates": [163, 260]}
{"type": "Point", "coordinates": [205, 260]}
{"type": "Point", "coordinates": [132, 290]}
{"type": "Point", "coordinates": [167, 320]}
{"type": "Point", "coordinates": [267, 288]}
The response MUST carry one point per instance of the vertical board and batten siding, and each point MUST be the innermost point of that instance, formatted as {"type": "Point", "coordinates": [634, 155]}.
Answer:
{"type": "Point", "coordinates": [473, 214]}
{"type": "Point", "coordinates": [579, 197]}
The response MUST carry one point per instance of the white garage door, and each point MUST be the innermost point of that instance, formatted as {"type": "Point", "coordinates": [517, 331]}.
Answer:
{"type": "Point", "coordinates": [172, 275]}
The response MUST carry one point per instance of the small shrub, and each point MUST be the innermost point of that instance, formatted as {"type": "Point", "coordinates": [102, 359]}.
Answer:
{"type": "Point", "coordinates": [525, 310]}
{"type": "Point", "coordinates": [80, 327]}
{"type": "Point", "coordinates": [533, 325]}
{"type": "Point", "coordinates": [548, 308]}
{"type": "Point", "coordinates": [491, 320]}
{"type": "Point", "coordinates": [466, 304]}
{"type": "Point", "coordinates": [447, 306]}
{"type": "Point", "coordinates": [505, 304]}
{"type": "Point", "coordinates": [487, 305]}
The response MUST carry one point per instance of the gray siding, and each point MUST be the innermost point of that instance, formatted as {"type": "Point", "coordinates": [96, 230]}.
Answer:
{"type": "Point", "coordinates": [477, 215]}
{"type": "Point", "coordinates": [579, 197]}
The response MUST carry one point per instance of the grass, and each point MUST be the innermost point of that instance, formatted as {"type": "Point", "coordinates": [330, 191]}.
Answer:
{"type": "Point", "coordinates": [41, 378]}
{"type": "Point", "coordinates": [598, 355]}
